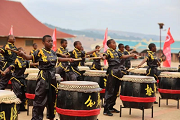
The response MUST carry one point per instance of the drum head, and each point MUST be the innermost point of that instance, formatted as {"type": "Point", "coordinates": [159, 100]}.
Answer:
{"type": "Point", "coordinates": [32, 76]}
{"type": "Point", "coordinates": [83, 68]}
{"type": "Point", "coordinates": [80, 86]}
{"type": "Point", "coordinates": [58, 77]}
{"type": "Point", "coordinates": [31, 70]}
{"type": "Point", "coordinates": [170, 74]}
{"type": "Point", "coordinates": [8, 97]}
{"type": "Point", "coordinates": [95, 73]}
{"type": "Point", "coordinates": [168, 69]}
{"type": "Point", "coordinates": [140, 79]}
{"type": "Point", "coordinates": [138, 71]}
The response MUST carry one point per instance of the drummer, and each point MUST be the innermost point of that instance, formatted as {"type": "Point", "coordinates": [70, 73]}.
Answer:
{"type": "Point", "coordinates": [9, 58]}
{"type": "Point", "coordinates": [34, 49]}
{"type": "Point", "coordinates": [128, 60]}
{"type": "Point", "coordinates": [45, 93]}
{"type": "Point", "coordinates": [153, 62]}
{"type": "Point", "coordinates": [1, 63]}
{"type": "Point", "coordinates": [122, 61]}
{"type": "Point", "coordinates": [18, 81]}
{"type": "Point", "coordinates": [73, 71]}
{"type": "Point", "coordinates": [114, 74]}
{"type": "Point", "coordinates": [61, 68]}
{"type": "Point", "coordinates": [96, 65]}
{"type": "Point", "coordinates": [84, 58]}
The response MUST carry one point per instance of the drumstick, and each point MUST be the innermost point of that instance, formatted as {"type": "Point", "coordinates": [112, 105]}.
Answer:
{"type": "Point", "coordinates": [1, 71]}
{"type": "Point", "coordinates": [15, 51]}
{"type": "Point", "coordinates": [78, 59]}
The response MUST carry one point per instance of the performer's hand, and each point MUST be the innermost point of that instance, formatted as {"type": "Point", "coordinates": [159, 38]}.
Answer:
{"type": "Point", "coordinates": [21, 53]}
{"type": "Point", "coordinates": [3, 73]}
{"type": "Point", "coordinates": [71, 60]}
{"type": "Point", "coordinates": [97, 50]}
{"type": "Point", "coordinates": [134, 49]}
{"type": "Point", "coordinates": [139, 66]}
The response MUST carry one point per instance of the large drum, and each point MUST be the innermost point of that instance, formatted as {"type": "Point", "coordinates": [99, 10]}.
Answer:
{"type": "Point", "coordinates": [78, 100]}
{"type": "Point", "coordinates": [30, 70]}
{"type": "Point", "coordinates": [138, 91]}
{"type": "Point", "coordinates": [98, 76]}
{"type": "Point", "coordinates": [31, 85]}
{"type": "Point", "coordinates": [8, 101]}
{"type": "Point", "coordinates": [82, 70]}
{"type": "Point", "coordinates": [143, 66]}
{"type": "Point", "coordinates": [169, 85]}
{"type": "Point", "coordinates": [140, 71]}
{"type": "Point", "coordinates": [168, 69]}
{"type": "Point", "coordinates": [89, 64]}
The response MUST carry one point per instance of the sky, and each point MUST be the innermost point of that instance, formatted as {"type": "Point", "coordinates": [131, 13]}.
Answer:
{"type": "Point", "coordinates": [139, 16]}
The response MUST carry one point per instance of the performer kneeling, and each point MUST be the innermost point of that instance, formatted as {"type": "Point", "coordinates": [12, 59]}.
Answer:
{"type": "Point", "coordinates": [45, 93]}
{"type": "Point", "coordinates": [114, 74]}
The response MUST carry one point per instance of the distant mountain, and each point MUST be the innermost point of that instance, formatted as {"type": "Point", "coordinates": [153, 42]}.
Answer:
{"type": "Point", "coordinates": [99, 34]}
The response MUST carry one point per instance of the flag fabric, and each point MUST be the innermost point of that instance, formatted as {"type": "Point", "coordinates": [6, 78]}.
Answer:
{"type": "Point", "coordinates": [54, 40]}
{"type": "Point", "coordinates": [11, 31]}
{"type": "Point", "coordinates": [167, 49]}
{"type": "Point", "coordinates": [105, 44]}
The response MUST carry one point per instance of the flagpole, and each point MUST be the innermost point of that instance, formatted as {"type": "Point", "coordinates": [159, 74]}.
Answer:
{"type": "Point", "coordinates": [160, 27]}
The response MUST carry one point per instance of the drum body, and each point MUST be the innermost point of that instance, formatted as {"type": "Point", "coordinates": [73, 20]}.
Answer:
{"type": "Point", "coordinates": [98, 76]}
{"type": "Point", "coordinates": [78, 100]}
{"type": "Point", "coordinates": [8, 101]}
{"type": "Point", "coordinates": [140, 71]}
{"type": "Point", "coordinates": [169, 85]}
{"type": "Point", "coordinates": [138, 91]}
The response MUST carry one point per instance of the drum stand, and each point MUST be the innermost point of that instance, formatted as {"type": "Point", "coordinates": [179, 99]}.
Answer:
{"type": "Point", "coordinates": [136, 108]}
{"type": "Point", "coordinates": [167, 102]}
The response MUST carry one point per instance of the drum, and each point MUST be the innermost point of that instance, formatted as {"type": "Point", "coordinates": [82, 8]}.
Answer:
{"type": "Point", "coordinates": [78, 100]}
{"type": "Point", "coordinates": [8, 101]}
{"type": "Point", "coordinates": [168, 69]}
{"type": "Point", "coordinates": [138, 91]}
{"type": "Point", "coordinates": [140, 71]}
{"type": "Point", "coordinates": [30, 70]}
{"type": "Point", "coordinates": [169, 85]}
{"type": "Point", "coordinates": [82, 70]}
{"type": "Point", "coordinates": [31, 85]}
{"type": "Point", "coordinates": [98, 76]}
{"type": "Point", "coordinates": [143, 66]}
{"type": "Point", "coordinates": [89, 64]}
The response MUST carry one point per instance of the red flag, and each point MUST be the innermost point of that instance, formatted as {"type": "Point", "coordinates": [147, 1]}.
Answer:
{"type": "Point", "coordinates": [11, 30]}
{"type": "Point", "coordinates": [105, 44]}
{"type": "Point", "coordinates": [54, 40]}
{"type": "Point", "coordinates": [167, 49]}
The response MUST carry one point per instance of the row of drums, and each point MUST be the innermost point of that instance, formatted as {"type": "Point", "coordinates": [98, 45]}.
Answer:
{"type": "Point", "coordinates": [81, 99]}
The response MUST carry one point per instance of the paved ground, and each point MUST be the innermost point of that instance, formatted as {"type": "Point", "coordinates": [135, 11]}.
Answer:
{"type": "Point", "coordinates": [164, 112]}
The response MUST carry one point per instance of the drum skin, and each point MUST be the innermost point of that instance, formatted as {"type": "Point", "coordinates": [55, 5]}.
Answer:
{"type": "Point", "coordinates": [9, 110]}
{"type": "Point", "coordinates": [136, 89]}
{"type": "Point", "coordinates": [76, 101]}
{"type": "Point", "coordinates": [132, 73]}
{"type": "Point", "coordinates": [170, 84]}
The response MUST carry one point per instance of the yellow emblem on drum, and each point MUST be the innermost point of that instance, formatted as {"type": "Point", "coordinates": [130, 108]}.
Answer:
{"type": "Point", "coordinates": [2, 115]}
{"type": "Point", "coordinates": [89, 102]}
{"type": "Point", "coordinates": [149, 90]}
{"type": "Point", "coordinates": [13, 113]}
{"type": "Point", "coordinates": [105, 80]}
{"type": "Point", "coordinates": [98, 101]}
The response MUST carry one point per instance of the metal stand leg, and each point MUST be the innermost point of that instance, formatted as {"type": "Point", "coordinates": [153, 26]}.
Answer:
{"type": "Point", "coordinates": [178, 103]}
{"type": "Point", "coordinates": [120, 110]}
{"type": "Point", "coordinates": [166, 101]}
{"type": "Point", "coordinates": [129, 111]}
{"type": "Point", "coordinates": [152, 112]}
{"type": "Point", "coordinates": [142, 113]}
{"type": "Point", "coordinates": [27, 107]}
{"type": "Point", "coordinates": [159, 101]}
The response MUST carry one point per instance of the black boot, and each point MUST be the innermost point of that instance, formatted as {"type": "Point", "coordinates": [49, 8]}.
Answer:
{"type": "Point", "coordinates": [114, 110]}
{"type": "Point", "coordinates": [107, 112]}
